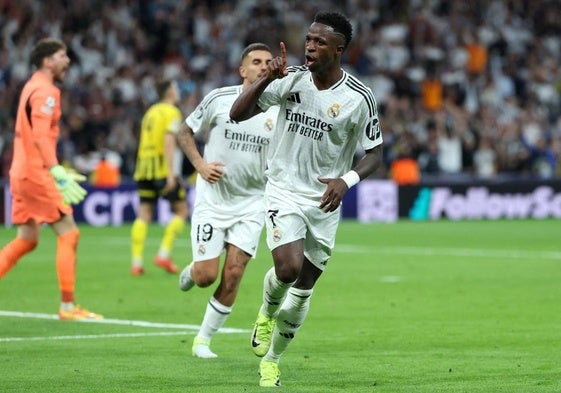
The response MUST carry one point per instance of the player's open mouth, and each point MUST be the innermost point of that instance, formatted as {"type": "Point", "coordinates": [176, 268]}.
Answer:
{"type": "Point", "coordinates": [310, 60]}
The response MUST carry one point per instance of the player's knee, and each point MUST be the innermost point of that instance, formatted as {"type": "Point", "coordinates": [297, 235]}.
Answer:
{"type": "Point", "coordinates": [204, 281]}
{"type": "Point", "coordinates": [70, 238]}
{"type": "Point", "coordinates": [287, 273]}
{"type": "Point", "coordinates": [29, 245]}
{"type": "Point", "coordinates": [181, 209]}
{"type": "Point", "coordinates": [203, 277]}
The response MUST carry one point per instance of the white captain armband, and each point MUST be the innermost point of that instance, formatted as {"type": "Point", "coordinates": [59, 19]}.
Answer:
{"type": "Point", "coordinates": [351, 178]}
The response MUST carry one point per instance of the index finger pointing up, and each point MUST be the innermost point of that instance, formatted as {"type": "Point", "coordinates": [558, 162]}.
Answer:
{"type": "Point", "coordinates": [283, 52]}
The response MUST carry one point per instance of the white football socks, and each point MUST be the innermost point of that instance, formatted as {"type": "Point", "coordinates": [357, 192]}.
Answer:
{"type": "Point", "coordinates": [274, 292]}
{"type": "Point", "coordinates": [291, 315]}
{"type": "Point", "coordinates": [215, 317]}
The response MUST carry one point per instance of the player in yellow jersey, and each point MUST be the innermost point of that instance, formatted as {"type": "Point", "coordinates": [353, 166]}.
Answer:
{"type": "Point", "coordinates": [155, 177]}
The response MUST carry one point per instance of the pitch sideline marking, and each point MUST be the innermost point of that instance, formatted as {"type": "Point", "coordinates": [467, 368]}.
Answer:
{"type": "Point", "coordinates": [90, 336]}
{"type": "Point", "coordinates": [123, 322]}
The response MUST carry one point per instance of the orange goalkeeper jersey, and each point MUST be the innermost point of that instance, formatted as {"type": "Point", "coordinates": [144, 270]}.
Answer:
{"type": "Point", "coordinates": [37, 121]}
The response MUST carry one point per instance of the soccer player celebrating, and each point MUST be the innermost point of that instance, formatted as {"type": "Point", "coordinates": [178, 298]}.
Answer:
{"type": "Point", "coordinates": [155, 178]}
{"type": "Point", "coordinates": [229, 207]}
{"type": "Point", "coordinates": [42, 190]}
{"type": "Point", "coordinates": [324, 113]}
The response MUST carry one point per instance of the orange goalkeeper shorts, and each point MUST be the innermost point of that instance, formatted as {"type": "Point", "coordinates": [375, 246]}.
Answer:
{"type": "Point", "coordinates": [37, 199]}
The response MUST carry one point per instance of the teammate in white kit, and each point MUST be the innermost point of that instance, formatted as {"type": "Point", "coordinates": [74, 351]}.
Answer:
{"type": "Point", "coordinates": [229, 209]}
{"type": "Point", "coordinates": [324, 113]}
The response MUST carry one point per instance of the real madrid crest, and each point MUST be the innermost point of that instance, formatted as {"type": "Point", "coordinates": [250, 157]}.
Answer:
{"type": "Point", "coordinates": [202, 249]}
{"type": "Point", "coordinates": [333, 111]}
{"type": "Point", "coordinates": [277, 235]}
{"type": "Point", "coordinates": [269, 124]}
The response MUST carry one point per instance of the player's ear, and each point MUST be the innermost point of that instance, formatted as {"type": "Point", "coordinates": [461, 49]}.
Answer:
{"type": "Point", "coordinates": [242, 72]}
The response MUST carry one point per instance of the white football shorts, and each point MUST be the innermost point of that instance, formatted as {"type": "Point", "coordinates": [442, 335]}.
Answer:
{"type": "Point", "coordinates": [211, 231]}
{"type": "Point", "coordinates": [290, 217]}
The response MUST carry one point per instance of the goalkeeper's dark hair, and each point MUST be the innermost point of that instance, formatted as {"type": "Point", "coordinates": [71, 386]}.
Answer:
{"type": "Point", "coordinates": [45, 47]}
{"type": "Point", "coordinates": [162, 87]}
{"type": "Point", "coordinates": [339, 22]}
{"type": "Point", "coordinates": [252, 47]}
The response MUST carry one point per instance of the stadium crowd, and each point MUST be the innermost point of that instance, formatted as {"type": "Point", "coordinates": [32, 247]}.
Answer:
{"type": "Point", "coordinates": [464, 88]}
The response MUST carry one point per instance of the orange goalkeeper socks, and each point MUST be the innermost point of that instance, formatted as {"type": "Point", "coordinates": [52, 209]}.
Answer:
{"type": "Point", "coordinates": [13, 251]}
{"type": "Point", "coordinates": [66, 263]}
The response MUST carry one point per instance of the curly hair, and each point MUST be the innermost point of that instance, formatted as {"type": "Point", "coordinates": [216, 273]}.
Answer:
{"type": "Point", "coordinates": [339, 22]}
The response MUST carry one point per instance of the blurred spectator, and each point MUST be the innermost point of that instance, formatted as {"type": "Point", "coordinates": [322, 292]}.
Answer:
{"type": "Point", "coordinates": [477, 54]}
{"type": "Point", "coordinates": [405, 169]}
{"type": "Point", "coordinates": [541, 161]}
{"type": "Point", "coordinates": [432, 89]}
{"type": "Point", "coordinates": [105, 174]}
{"type": "Point", "coordinates": [485, 159]}
{"type": "Point", "coordinates": [66, 148]}
{"type": "Point", "coordinates": [449, 144]}
{"type": "Point", "coordinates": [87, 161]}
{"type": "Point", "coordinates": [428, 158]}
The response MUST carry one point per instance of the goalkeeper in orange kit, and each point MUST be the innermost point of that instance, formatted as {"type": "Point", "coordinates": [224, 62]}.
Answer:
{"type": "Point", "coordinates": [42, 190]}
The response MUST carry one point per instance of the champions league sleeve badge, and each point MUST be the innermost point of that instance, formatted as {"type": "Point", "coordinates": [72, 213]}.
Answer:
{"type": "Point", "coordinates": [199, 112]}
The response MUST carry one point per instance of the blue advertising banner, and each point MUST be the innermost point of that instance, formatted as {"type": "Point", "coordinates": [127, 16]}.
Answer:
{"type": "Point", "coordinates": [107, 206]}
{"type": "Point", "coordinates": [369, 201]}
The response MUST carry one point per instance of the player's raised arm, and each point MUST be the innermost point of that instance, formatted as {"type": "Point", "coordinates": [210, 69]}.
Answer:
{"type": "Point", "coordinates": [245, 105]}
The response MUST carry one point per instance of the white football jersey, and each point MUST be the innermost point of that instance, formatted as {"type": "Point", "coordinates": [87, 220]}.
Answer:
{"type": "Point", "coordinates": [318, 130]}
{"type": "Point", "coordinates": [242, 147]}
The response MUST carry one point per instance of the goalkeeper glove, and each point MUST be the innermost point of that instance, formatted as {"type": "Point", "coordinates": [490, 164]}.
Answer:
{"type": "Point", "coordinates": [66, 182]}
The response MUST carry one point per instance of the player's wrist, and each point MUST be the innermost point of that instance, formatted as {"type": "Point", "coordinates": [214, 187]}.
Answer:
{"type": "Point", "coordinates": [58, 171]}
{"type": "Point", "coordinates": [351, 178]}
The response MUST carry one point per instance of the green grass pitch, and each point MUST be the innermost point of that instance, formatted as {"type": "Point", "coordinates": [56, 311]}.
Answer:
{"type": "Point", "coordinates": [471, 306]}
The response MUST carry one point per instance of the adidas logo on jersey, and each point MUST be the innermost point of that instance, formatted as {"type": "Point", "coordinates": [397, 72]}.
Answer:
{"type": "Point", "coordinates": [295, 97]}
